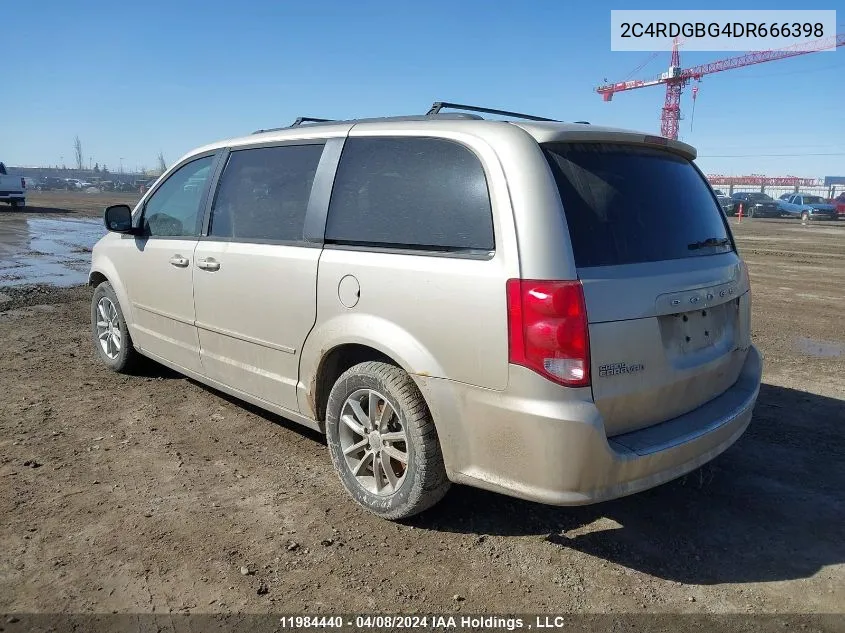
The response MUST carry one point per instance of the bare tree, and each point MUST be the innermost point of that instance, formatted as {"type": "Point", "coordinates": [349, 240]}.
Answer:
{"type": "Point", "coordinates": [77, 151]}
{"type": "Point", "coordinates": [162, 166]}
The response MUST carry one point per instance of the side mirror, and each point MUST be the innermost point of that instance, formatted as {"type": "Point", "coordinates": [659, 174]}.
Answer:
{"type": "Point", "coordinates": [118, 218]}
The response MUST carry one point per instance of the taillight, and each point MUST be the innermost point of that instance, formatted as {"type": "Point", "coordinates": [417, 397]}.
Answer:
{"type": "Point", "coordinates": [23, 183]}
{"type": "Point", "coordinates": [547, 329]}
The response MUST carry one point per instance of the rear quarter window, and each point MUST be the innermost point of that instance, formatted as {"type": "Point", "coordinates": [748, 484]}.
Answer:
{"type": "Point", "coordinates": [628, 204]}
{"type": "Point", "coordinates": [412, 193]}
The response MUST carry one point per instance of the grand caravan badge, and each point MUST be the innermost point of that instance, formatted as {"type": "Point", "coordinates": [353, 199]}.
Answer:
{"type": "Point", "coordinates": [615, 369]}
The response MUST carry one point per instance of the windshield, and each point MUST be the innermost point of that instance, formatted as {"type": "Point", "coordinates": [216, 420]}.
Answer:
{"type": "Point", "coordinates": [627, 204]}
{"type": "Point", "coordinates": [759, 197]}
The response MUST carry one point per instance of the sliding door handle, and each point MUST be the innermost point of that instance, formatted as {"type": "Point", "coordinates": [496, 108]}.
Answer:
{"type": "Point", "coordinates": [209, 264]}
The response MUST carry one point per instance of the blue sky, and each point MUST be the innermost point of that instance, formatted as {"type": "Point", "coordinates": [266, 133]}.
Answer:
{"type": "Point", "coordinates": [133, 79]}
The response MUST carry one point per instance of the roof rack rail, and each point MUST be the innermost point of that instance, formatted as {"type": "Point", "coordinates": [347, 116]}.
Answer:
{"type": "Point", "coordinates": [308, 119]}
{"type": "Point", "coordinates": [439, 105]}
{"type": "Point", "coordinates": [299, 121]}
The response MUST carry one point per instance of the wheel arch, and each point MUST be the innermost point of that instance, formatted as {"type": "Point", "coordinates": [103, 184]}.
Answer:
{"type": "Point", "coordinates": [346, 340]}
{"type": "Point", "coordinates": [333, 363]}
{"type": "Point", "coordinates": [105, 271]}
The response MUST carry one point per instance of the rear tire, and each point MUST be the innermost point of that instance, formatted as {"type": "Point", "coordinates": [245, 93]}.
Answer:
{"type": "Point", "coordinates": [109, 332]}
{"type": "Point", "coordinates": [383, 442]}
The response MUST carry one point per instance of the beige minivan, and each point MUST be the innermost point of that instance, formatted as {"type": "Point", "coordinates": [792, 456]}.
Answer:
{"type": "Point", "coordinates": [553, 311]}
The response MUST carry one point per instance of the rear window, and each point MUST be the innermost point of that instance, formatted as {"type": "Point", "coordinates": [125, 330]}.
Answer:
{"type": "Point", "coordinates": [628, 204]}
{"type": "Point", "coordinates": [411, 192]}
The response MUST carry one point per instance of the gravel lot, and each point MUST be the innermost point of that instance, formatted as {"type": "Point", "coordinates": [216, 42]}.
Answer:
{"type": "Point", "coordinates": [151, 493]}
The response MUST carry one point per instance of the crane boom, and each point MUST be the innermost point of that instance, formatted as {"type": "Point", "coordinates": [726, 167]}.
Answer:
{"type": "Point", "coordinates": [759, 57]}
{"type": "Point", "coordinates": [676, 77]}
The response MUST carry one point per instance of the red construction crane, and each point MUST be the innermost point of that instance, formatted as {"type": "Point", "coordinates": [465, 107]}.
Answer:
{"type": "Point", "coordinates": [676, 77]}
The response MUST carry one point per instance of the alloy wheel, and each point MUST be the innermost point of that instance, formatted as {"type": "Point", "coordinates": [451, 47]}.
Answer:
{"type": "Point", "coordinates": [374, 442]}
{"type": "Point", "coordinates": [108, 328]}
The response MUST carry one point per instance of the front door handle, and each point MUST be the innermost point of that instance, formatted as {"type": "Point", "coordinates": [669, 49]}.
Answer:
{"type": "Point", "coordinates": [208, 264]}
{"type": "Point", "coordinates": [179, 261]}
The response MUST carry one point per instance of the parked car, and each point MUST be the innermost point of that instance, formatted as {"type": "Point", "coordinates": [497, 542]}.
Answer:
{"type": "Point", "coordinates": [808, 207]}
{"type": "Point", "coordinates": [434, 293]}
{"type": "Point", "coordinates": [125, 187]}
{"type": "Point", "coordinates": [49, 183]}
{"type": "Point", "coordinates": [145, 185]}
{"type": "Point", "coordinates": [73, 183]}
{"type": "Point", "coordinates": [839, 203]}
{"type": "Point", "coordinates": [754, 205]}
{"type": "Point", "coordinates": [12, 189]}
{"type": "Point", "coordinates": [724, 202]}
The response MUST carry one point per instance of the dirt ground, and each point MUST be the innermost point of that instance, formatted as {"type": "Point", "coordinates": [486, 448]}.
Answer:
{"type": "Point", "coordinates": [151, 493]}
{"type": "Point", "coordinates": [76, 203]}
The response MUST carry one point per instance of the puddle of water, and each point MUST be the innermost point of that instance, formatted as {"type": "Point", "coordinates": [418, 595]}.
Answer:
{"type": "Point", "coordinates": [820, 349]}
{"type": "Point", "coordinates": [47, 251]}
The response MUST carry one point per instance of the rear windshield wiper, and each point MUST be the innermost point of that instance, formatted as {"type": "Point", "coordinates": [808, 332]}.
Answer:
{"type": "Point", "coordinates": [710, 241]}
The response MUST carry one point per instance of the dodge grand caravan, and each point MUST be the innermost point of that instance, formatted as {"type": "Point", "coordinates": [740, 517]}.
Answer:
{"type": "Point", "coordinates": [552, 311]}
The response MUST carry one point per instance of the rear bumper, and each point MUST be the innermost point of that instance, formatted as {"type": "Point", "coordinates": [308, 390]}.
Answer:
{"type": "Point", "coordinates": [524, 443]}
{"type": "Point", "coordinates": [7, 196]}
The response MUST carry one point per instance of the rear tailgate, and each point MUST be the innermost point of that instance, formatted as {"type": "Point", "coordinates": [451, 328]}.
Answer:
{"type": "Point", "coordinates": [11, 185]}
{"type": "Point", "coordinates": [666, 294]}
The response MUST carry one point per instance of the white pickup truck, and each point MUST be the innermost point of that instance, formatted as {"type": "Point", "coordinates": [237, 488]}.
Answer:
{"type": "Point", "coordinates": [12, 188]}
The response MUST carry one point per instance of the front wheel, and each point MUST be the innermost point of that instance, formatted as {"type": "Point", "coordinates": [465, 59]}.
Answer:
{"type": "Point", "coordinates": [383, 442]}
{"type": "Point", "coordinates": [805, 217]}
{"type": "Point", "coordinates": [109, 331]}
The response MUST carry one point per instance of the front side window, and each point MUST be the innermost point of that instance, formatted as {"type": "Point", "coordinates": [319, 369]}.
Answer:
{"type": "Point", "coordinates": [174, 208]}
{"type": "Point", "coordinates": [410, 192]}
{"type": "Point", "coordinates": [264, 192]}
